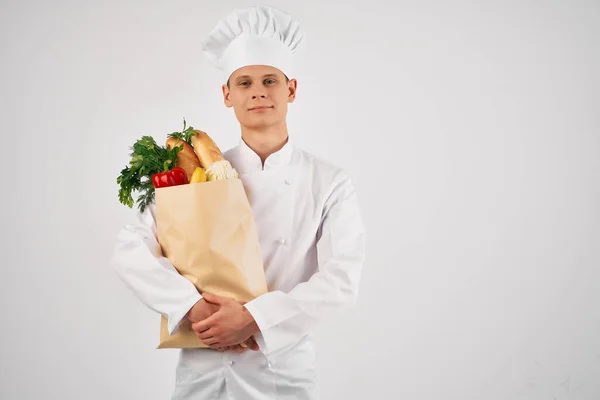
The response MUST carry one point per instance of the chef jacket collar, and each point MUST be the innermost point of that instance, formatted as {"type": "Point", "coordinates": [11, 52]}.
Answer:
{"type": "Point", "coordinates": [250, 161]}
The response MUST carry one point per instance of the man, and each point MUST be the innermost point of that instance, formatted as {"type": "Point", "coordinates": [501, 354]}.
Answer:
{"type": "Point", "coordinates": [311, 234]}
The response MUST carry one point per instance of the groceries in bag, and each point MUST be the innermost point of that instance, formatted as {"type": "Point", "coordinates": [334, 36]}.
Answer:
{"type": "Point", "coordinates": [205, 225]}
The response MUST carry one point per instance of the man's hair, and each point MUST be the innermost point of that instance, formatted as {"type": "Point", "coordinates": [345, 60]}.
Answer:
{"type": "Point", "coordinates": [286, 81]}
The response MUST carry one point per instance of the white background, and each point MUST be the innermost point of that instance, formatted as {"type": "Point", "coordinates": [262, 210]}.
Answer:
{"type": "Point", "coordinates": [471, 130]}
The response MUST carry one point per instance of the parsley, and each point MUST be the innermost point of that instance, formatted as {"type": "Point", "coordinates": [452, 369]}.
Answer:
{"type": "Point", "coordinates": [147, 159]}
{"type": "Point", "coordinates": [185, 135]}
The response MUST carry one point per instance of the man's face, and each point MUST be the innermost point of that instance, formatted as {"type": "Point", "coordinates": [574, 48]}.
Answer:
{"type": "Point", "coordinates": [259, 95]}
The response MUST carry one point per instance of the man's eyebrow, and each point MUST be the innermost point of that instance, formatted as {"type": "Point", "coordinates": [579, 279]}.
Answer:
{"type": "Point", "coordinates": [249, 77]}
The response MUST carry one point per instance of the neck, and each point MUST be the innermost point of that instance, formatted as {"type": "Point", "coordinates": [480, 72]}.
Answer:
{"type": "Point", "coordinates": [265, 141]}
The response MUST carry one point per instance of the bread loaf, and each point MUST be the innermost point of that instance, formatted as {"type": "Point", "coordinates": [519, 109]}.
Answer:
{"type": "Point", "coordinates": [212, 160]}
{"type": "Point", "coordinates": [206, 149]}
{"type": "Point", "coordinates": [186, 158]}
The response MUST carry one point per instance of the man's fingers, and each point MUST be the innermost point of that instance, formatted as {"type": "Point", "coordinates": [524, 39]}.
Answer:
{"type": "Point", "coordinates": [213, 344]}
{"type": "Point", "coordinates": [251, 343]}
{"type": "Point", "coordinates": [210, 333]}
{"type": "Point", "coordinates": [205, 324]}
{"type": "Point", "coordinates": [214, 299]}
{"type": "Point", "coordinates": [235, 348]}
{"type": "Point", "coordinates": [238, 348]}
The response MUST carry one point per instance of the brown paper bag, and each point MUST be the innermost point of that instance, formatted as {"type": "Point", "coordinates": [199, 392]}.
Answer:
{"type": "Point", "coordinates": [207, 231]}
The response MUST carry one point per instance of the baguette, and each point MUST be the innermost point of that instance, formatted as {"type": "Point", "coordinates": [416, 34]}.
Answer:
{"type": "Point", "coordinates": [186, 158]}
{"type": "Point", "coordinates": [216, 166]}
{"type": "Point", "coordinates": [206, 149]}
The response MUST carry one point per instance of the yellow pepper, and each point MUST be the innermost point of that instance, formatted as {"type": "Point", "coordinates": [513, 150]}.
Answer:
{"type": "Point", "coordinates": [198, 176]}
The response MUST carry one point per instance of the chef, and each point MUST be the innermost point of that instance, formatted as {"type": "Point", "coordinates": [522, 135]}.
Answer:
{"type": "Point", "coordinates": [310, 229]}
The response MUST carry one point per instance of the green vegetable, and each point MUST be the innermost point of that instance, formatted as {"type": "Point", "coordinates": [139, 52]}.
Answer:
{"type": "Point", "coordinates": [185, 135]}
{"type": "Point", "coordinates": [147, 159]}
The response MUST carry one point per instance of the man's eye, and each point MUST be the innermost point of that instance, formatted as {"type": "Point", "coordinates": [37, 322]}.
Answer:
{"type": "Point", "coordinates": [270, 81]}
{"type": "Point", "coordinates": [243, 83]}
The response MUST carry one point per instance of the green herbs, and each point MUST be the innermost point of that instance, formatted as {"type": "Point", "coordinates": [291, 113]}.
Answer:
{"type": "Point", "coordinates": [147, 159]}
{"type": "Point", "coordinates": [185, 135]}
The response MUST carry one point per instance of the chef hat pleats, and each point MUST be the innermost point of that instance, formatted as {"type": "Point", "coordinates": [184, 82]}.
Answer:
{"type": "Point", "coordinates": [258, 35]}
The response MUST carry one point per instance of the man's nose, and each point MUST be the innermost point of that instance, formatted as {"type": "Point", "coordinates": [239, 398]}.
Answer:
{"type": "Point", "coordinates": [258, 91]}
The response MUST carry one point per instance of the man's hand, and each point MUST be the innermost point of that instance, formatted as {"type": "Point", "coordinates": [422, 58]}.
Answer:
{"type": "Point", "coordinates": [232, 324]}
{"type": "Point", "coordinates": [242, 347]}
{"type": "Point", "coordinates": [202, 310]}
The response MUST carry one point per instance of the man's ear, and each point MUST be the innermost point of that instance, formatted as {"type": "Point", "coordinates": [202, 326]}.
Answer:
{"type": "Point", "coordinates": [226, 94]}
{"type": "Point", "coordinates": [292, 87]}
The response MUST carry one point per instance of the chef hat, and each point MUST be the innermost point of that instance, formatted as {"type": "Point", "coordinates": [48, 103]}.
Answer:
{"type": "Point", "coordinates": [258, 35]}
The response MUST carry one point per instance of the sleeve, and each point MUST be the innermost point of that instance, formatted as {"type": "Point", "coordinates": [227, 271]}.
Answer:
{"type": "Point", "coordinates": [140, 264]}
{"type": "Point", "coordinates": [283, 318]}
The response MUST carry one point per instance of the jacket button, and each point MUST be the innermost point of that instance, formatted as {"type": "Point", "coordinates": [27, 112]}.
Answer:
{"type": "Point", "coordinates": [282, 241]}
{"type": "Point", "coordinates": [288, 182]}
{"type": "Point", "coordinates": [230, 362]}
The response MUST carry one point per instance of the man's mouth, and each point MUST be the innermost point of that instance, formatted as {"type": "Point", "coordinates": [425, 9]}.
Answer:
{"type": "Point", "coordinates": [257, 108]}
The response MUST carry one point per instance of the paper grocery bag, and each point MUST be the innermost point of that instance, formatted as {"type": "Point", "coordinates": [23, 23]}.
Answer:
{"type": "Point", "coordinates": [207, 231]}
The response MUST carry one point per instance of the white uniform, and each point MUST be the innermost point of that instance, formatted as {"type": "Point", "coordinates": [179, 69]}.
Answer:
{"type": "Point", "coordinates": [312, 240]}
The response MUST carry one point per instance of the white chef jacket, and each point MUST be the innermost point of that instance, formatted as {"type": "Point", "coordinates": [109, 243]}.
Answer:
{"type": "Point", "coordinates": [312, 240]}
